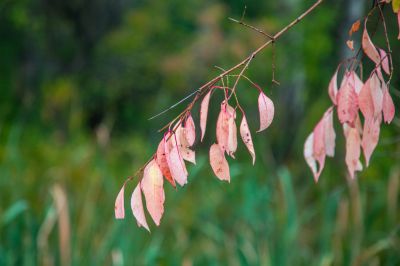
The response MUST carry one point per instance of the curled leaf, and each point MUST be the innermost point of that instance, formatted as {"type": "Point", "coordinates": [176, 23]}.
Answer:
{"type": "Point", "coordinates": [232, 137]}
{"type": "Point", "coordinates": [384, 60]}
{"type": "Point", "coordinates": [350, 44]}
{"type": "Point", "coordinates": [246, 137]}
{"type": "Point", "coordinates": [319, 146]}
{"type": "Point", "coordinates": [184, 150]}
{"type": "Point", "coordinates": [161, 159]}
{"type": "Point", "coordinates": [333, 88]}
{"type": "Point", "coordinates": [153, 190]}
{"type": "Point", "coordinates": [119, 204]}
{"type": "Point", "coordinates": [218, 163]}
{"type": "Point", "coordinates": [137, 207]}
{"type": "Point", "coordinates": [175, 162]}
{"type": "Point", "coordinates": [330, 135]}
{"type": "Point", "coordinates": [203, 113]}
{"type": "Point", "coordinates": [309, 157]}
{"type": "Point", "coordinates": [369, 48]}
{"type": "Point", "coordinates": [355, 27]}
{"type": "Point", "coordinates": [387, 105]}
{"type": "Point", "coordinates": [266, 109]}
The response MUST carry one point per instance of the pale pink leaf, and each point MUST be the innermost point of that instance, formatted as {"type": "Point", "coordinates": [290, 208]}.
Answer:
{"type": "Point", "coordinates": [232, 137]}
{"type": "Point", "coordinates": [246, 137]}
{"type": "Point", "coordinates": [330, 135]}
{"type": "Point", "coordinates": [190, 130]}
{"type": "Point", "coordinates": [223, 125]}
{"type": "Point", "coordinates": [153, 190]}
{"type": "Point", "coordinates": [218, 163]}
{"type": "Point", "coordinates": [308, 155]}
{"type": "Point", "coordinates": [353, 143]}
{"type": "Point", "coordinates": [119, 204]}
{"type": "Point", "coordinates": [319, 145]}
{"type": "Point", "coordinates": [333, 88]}
{"type": "Point", "coordinates": [184, 150]}
{"type": "Point", "coordinates": [370, 136]}
{"type": "Point", "coordinates": [175, 162]}
{"type": "Point", "coordinates": [161, 159]}
{"type": "Point", "coordinates": [137, 207]}
{"type": "Point", "coordinates": [369, 48]}
{"type": "Point", "coordinates": [266, 109]}
{"type": "Point", "coordinates": [365, 100]}
{"type": "Point", "coordinates": [204, 113]}
{"type": "Point", "coordinates": [356, 81]}
{"type": "Point", "coordinates": [384, 60]}
{"type": "Point", "coordinates": [376, 94]}
{"type": "Point", "coordinates": [347, 103]}
{"type": "Point", "coordinates": [388, 105]}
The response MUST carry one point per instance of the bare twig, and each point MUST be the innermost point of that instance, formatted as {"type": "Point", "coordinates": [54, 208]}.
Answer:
{"type": "Point", "coordinates": [252, 27]}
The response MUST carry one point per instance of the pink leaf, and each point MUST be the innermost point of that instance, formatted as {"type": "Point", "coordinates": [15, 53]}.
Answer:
{"type": "Point", "coordinates": [223, 125]}
{"type": "Point", "coordinates": [387, 105]}
{"type": "Point", "coordinates": [369, 48]}
{"type": "Point", "coordinates": [218, 163]}
{"type": "Point", "coordinates": [137, 207]}
{"type": "Point", "coordinates": [232, 137]}
{"type": "Point", "coordinates": [376, 94]}
{"type": "Point", "coordinates": [153, 190]}
{"type": "Point", "coordinates": [356, 82]}
{"type": "Point", "coordinates": [347, 103]}
{"type": "Point", "coordinates": [370, 136]}
{"type": "Point", "coordinates": [319, 146]}
{"type": "Point", "coordinates": [119, 204]}
{"type": "Point", "coordinates": [266, 109]}
{"type": "Point", "coordinates": [204, 113]}
{"type": "Point", "coordinates": [161, 159]}
{"type": "Point", "coordinates": [184, 150]}
{"type": "Point", "coordinates": [175, 162]}
{"type": "Point", "coordinates": [308, 155]}
{"type": "Point", "coordinates": [330, 135]}
{"type": "Point", "coordinates": [246, 137]}
{"type": "Point", "coordinates": [365, 100]}
{"type": "Point", "coordinates": [384, 60]}
{"type": "Point", "coordinates": [190, 130]}
{"type": "Point", "coordinates": [353, 143]}
{"type": "Point", "coordinates": [333, 88]}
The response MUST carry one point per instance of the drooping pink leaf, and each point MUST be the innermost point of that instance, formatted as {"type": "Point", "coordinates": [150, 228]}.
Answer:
{"type": "Point", "coordinates": [190, 130]}
{"type": "Point", "coordinates": [384, 61]}
{"type": "Point", "coordinates": [365, 100]}
{"type": "Point", "coordinates": [218, 163]}
{"type": "Point", "coordinates": [319, 145]}
{"type": "Point", "coordinates": [347, 103]}
{"type": "Point", "coordinates": [137, 207]}
{"type": "Point", "coordinates": [266, 109]}
{"type": "Point", "coordinates": [175, 162]}
{"type": "Point", "coordinates": [376, 94]}
{"type": "Point", "coordinates": [153, 190]}
{"type": "Point", "coordinates": [369, 48]}
{"type": "Point", "coordinates": [204, 113]}
{"type": "Point", "coordinates": [232, 137]}
{"type": "Point", "coordinates": [353, 143]}
{"type": "Point", "coordinates": [330, 135]}
{"type": "Point", "coordinates": [161, 159]}
{"type": "Point", "coordinates": [309, 157]}
{"type": "Point", "coordinates": [223, 125]}
{"type": "Point", "coordinates": [356, 82]}
{"type": "Point", "coordinates": [333, 88]}
{"type": "Point", "coordinates": [370, 136]}
{"type": "Point", "coordinates": [387, 105]}
{"type": "Point", "coordinates": [184, 150]}
{"type": "Point", "coordinates": [246, 137]}
{"type": "Point", "coordinates": [119, 204]}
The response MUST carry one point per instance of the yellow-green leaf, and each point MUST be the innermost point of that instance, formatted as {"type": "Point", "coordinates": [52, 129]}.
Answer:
{"type": "Point", "coordinates": [396, 5]}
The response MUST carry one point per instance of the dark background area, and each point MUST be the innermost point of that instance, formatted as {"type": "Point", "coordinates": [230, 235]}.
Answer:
{"type": "Point", "coordinates": [78, 82]}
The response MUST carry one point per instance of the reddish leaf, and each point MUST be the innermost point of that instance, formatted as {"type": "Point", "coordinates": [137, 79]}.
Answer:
{"type": "Point", "coordinates": [347, 102]}
{"type": "Point", "coordinates": [384, 60]}
{"type": "Point", "coordinates": [161, 159]}
{"type": "Point", "coordinates": [246, 137]}
{"type": "Point", "coordinates": [333, 88]}
{"type": "Point", "coordinates": [190, 130]}
{"type": "Point", "coordinates": [137, 207]}
{"type": "Point", "coordinates": [387, 105]}
{"type": "Point", "coordinates": [218, 163]}
{"type": "Point", "coordinates": [355, 27]}
{"type": "Point", "coordinates": [353, 143]}
{"type": "Point", "coordinates": [175, 162]}
{"type": "Point", "coordinates": [204, 113]}
{"type": "Point", "coordinates": [266, 110]}
{"type": "Point", "coordinates": [119, 204]}
{"type": "Point", "coordinates": [369, 48]}
{"type": "Point", "coordinates": [370, 136]}
{"type": "Point", "coordinates": [308, 155]}
{"type": "Point", "coordinates": [330, 135]}
{"type": "Point", "coordinates": [153, 190]}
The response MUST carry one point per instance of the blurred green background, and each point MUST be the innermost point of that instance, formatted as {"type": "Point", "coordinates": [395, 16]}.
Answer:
{"type": "Point", "coordinates": [78, 82]}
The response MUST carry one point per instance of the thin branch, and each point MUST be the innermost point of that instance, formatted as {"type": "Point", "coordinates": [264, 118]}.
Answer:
{"type": "Point", "coordinates": [252, 27]}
